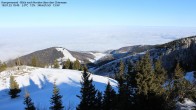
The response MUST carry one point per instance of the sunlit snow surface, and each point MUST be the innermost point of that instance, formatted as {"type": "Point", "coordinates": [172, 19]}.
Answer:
{"type": "Point", "coordinates": [186, 105]}
{"type": "Point", "coordinates": [39, 82]}
{"type": "Point", "coordinates": [66, 54]}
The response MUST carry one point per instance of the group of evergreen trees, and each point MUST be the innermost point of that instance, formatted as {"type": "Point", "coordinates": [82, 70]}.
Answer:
{"type": "Point", "coordinates": [145, 86]}
{"type": "Point", "coordinates": [68, 64]}
{"type": "Point", "coordinates": [72, 65]}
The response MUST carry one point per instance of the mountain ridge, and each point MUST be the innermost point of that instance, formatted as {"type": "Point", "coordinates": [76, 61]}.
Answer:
{"type": "Point", "coordinates": [180, 50]}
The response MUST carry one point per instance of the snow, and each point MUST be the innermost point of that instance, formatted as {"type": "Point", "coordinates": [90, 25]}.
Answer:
{"type": "Point", "coordinates": [97, 56]}
{"type": "Point", "coordinates": [66, 54]}
{"type": "Point", "coordinates": [39, 82]}
{"type": "Point", "coordinates": [190, 76]}
{"type": "Point", "coordinates": [186, 105]}
{"type": "Point", "coordinates": [109, 68]}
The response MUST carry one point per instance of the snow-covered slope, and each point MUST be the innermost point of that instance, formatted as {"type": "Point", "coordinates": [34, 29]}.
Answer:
{"type": "Point", "coordinates": [190, 76]}
{"type": "Point", "coordinates": [91, 56]}
{"type": "Point", "coordinates": [186, 105]}
{"type": "Point", "coordinates": [66, 54]}
{"type": "Point", "coordinates": [97, 56]}
{"type": "Point", "coordinates": [39, 81]}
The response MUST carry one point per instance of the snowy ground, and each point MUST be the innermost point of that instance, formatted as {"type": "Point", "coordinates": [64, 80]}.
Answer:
{"type": "Point", "coordinates": [68, 55]}
{"type": "Point", "coordinates": [38, 82]}
{"type": "Point", "coordinates": [187, 105]}
{"type": "Point", "coordinates": [97, 56]}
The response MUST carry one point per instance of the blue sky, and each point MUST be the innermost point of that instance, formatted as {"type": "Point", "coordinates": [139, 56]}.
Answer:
{"type": "Point", "coordinates": [104, 12]}
{"type": "Point", "coordinates": [94, 25]}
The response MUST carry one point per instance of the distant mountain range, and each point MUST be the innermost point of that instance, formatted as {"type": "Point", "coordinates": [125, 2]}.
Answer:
{"type": "Point", "coordinates": [106, 63]}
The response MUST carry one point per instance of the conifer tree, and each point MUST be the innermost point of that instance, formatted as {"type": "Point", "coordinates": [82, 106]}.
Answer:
{"type": "Point", "coordinates": [145, 76]}
{"type": "Point", "coordinates": [178, 72]}
{"type": "Point", "coordinates": [56, 99]}
{"type": "Point", "coordinates": [121, 68]}
{"type": "Point", "coordinates": [160, 75]}
{"type": "Point", "coordinates": [109, 98]}
{"type": "Point", "coordinates": [71, 65]}
{"type": "Point", "coordinates": [67, 64]}
{"type": "Point", "coordinates": [131, 85]}
{"type": "Point", "coordinates": [131, 78]}
{"type": "Point", "coordinates": [123, 92]}
{"type": "Point", "coordinates": [181, 87]}
{"type": "Point", "coordinates": [120, 77]}
{"type": "Point", "coordinates": [98, 101]}
{"type": "Point", "coordinates": [28, 102]}
{"type": "Point", "coordinates": [180, 84]}
{"type": "Point", "coordinates": [3, 66]}
{"type": "Point", "coordinates": [76, 65]}
{"type": "Point", "coordinates": [34, 61]}
{"type": "Point", "coordinates": [88, 93]}
{"type": "Point", "coordinates": [14, 88]}
{"type": "Point", "coordinates": [147, 98]}
{"type": "Point", "coordinates": [56, 64]}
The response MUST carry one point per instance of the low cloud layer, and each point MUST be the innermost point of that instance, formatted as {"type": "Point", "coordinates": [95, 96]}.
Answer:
{"type": "Point", "coordinates": [19, 41]}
